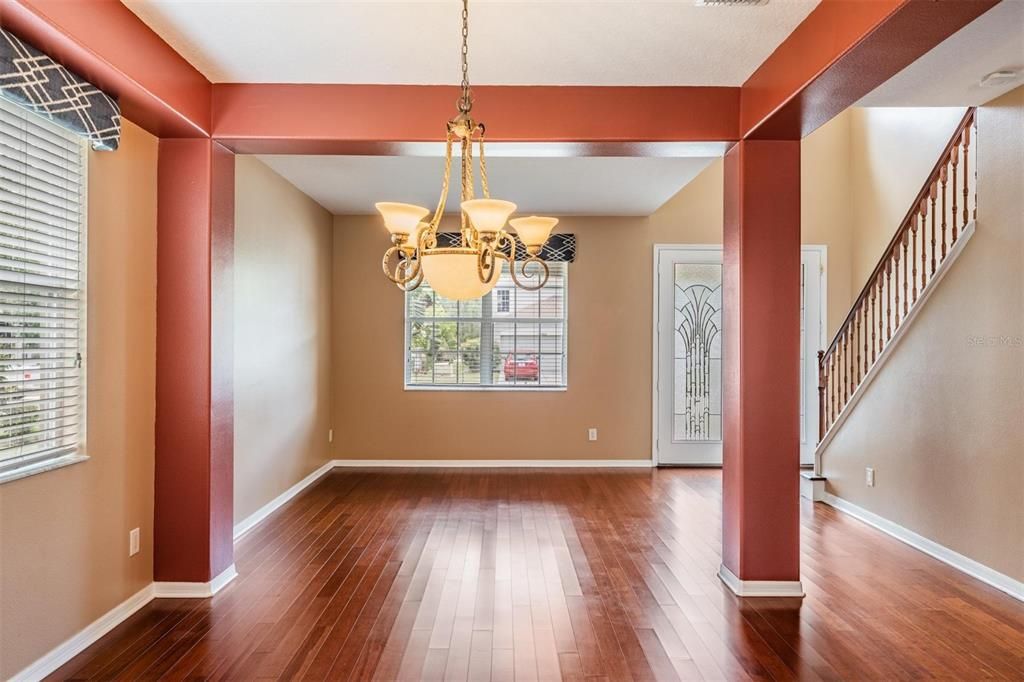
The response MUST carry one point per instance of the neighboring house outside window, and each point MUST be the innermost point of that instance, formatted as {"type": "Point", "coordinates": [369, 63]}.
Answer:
{"type": "Point", "coordinates": [504, 298]}
{"type": "Point", "coordinates": [509, 339]}
{"type": "Point", "coordinates": [42, 323]}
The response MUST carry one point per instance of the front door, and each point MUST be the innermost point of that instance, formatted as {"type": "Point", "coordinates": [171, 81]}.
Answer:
{"type": "Point", "coordinates": [688, 354]}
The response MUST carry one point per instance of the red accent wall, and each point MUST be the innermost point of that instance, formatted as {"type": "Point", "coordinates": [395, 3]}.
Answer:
{"type": "Point", "coordinates": [761, 361]}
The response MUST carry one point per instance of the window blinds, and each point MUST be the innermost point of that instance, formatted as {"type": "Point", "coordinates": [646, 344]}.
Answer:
{"type": "Point", "coordinates": [509, 339]}
{"type": "Point", "coordinates": [41, 294]}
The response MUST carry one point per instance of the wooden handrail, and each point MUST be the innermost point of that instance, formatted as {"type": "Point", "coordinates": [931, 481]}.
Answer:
{"type": "Point", "coordinates": [896, 282]}
{"type": "Point", "coordinates": [965, 122]}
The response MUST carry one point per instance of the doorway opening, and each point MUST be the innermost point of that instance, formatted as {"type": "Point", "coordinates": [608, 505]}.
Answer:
{"type": "Point", "coordinates": [687, 366]}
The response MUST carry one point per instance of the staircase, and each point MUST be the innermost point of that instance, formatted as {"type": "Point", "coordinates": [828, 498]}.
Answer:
{"type": "Point", "coordinates": [927, 241]}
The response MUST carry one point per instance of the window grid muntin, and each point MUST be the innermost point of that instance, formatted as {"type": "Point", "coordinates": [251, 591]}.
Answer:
{"type": "Point", "coordinates": [488, 317]}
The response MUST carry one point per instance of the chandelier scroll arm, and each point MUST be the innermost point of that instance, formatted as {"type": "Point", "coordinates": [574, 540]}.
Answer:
{"type": "Point", "coordinates": [487, 262]}
{"type": "Point", "coordinates": [414, 282]}
{"type": "Point", "coordinates": [542, 275]}
{"type": "Point", "coordinates": [385, 263]}
{"type": "Point", "coordinates": [542, 272]}
{"type": "Point", "coordinates": [407, 269]}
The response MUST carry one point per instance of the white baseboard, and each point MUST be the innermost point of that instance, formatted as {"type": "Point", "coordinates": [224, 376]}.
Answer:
{"type": "Point", "coordinates": [989, 576]}
{"type": "Point", "coordinates": [251, 521]}
{"type": "Point", "coordinates": [498, 463]}
{"type": "Point", "coordinates": [70, 648]}
{"type": "Point", "coordinates": [760, 588]}
{"type": "Point", "coordinates": [87, 636]}
{"type": "Point", "coordinates": [195, 590]}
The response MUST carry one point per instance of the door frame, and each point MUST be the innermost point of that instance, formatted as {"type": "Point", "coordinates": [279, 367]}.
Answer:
{"type": "Point", "coordinates": [812, 414]}
{"type": "Point", "coordinates": [820, 249]}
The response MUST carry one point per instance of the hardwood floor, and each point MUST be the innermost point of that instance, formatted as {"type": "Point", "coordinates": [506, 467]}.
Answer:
{"type": "Point", "coordinates": [556, 574]}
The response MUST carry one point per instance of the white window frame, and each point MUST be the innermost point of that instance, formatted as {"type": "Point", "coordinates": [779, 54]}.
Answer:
{"type": "Point", "coordinates": [490, 388]}
{"type": "Point", "coordinates": [29, 465]}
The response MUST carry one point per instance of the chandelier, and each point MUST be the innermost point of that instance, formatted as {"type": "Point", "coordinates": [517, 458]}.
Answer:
{"type": "Point", "coordinates": [472, 268]}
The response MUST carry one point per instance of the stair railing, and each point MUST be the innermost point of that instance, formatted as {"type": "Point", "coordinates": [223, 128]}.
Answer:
{"type": "Point", "coordinates": [940, 212]}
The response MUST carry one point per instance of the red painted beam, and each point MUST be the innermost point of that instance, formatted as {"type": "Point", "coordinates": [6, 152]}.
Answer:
{"type": "Point", "coordinates": [104, 42]}
{"type": "Point", "coordinates": [843, 50]}
{"type": "Point", "coordinates": [321, 119]}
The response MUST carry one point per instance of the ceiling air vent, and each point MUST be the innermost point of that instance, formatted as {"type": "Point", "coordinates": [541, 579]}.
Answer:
{"type": "Point", "coordinates": [728, 3]}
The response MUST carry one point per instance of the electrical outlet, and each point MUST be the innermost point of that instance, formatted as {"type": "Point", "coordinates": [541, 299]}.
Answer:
{"type": "Point", "coordinates": [592, 434]}
{"type": "Point", "coordinates": [330, 436]}
{"type": "Point", "coordinates": [869, 477]}
{"type": "Point", "coordinates": [133, 542]}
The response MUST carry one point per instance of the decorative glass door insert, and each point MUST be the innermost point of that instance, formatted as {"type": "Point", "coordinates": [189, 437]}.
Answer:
{"type": "Point", "coordinates": [697, 410]}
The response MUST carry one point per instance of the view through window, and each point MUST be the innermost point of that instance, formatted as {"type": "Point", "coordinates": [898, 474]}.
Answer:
{"type": "Point", "coordinates": [509, 339]}
{"type": "Point", "coordinates": [41, 309]}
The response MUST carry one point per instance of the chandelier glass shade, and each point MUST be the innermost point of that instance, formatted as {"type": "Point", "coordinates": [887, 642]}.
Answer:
{"type": "Point", "coordinates": [453, 273]}
{"type": "Point", "coordinates": [472, 268]}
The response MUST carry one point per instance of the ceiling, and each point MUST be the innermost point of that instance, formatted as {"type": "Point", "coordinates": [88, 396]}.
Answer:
{"type": "Point", "coordinates": [948, 75]}
{"type": "Point", "coordinates": [512, 42]}
{"type": "Point", "coordinates": [559, 185]}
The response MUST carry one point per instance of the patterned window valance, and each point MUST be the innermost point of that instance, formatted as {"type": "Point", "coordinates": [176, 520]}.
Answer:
{"type": "Point", "coordinates": [31, 79]}
{"type": "Point", "coordinates": [560, 248]}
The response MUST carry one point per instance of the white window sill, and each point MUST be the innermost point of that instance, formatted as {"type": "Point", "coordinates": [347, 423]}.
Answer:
{"type": "Point", "coordinates": [489, 389]}
{"type": "Point", "coordinates": [15, 472]}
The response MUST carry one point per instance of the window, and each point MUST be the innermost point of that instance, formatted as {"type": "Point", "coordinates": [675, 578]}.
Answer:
{"type": "Point", "coordinates": [42, 416]}
{"type": "Point", "coordinates": [504, 298]}
{"type": "Point", "coordinates": [509, 339]}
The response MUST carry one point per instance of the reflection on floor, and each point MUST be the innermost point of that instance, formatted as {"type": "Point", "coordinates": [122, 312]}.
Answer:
{"type": "Point", "coordinates": [556, 574]}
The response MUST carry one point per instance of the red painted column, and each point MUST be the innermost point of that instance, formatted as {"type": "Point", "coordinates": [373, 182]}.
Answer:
{"type": "Point", "coordinates": [193, 514]}
{"type": "Point", "coordinates": [761, 359]}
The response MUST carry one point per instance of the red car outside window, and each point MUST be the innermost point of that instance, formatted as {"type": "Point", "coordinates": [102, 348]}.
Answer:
{"type": "Point", "coordinates": [522, 368]}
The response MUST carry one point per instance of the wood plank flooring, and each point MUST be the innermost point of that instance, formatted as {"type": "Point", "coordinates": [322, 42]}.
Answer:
{"type": "Point", "coordinates": [556, 574]}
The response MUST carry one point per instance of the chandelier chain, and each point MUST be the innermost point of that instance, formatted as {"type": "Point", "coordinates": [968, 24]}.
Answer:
{"type": "Point", "coordinates": [466, 101]}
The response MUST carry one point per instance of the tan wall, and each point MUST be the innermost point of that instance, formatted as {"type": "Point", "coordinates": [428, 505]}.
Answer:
{"type": "Point", "coordinates": [825, 216]}
{"type": "Point", "coordinates": [950, 466]}
{"type": "Point", "coordinates": [609, 365]}
{"type": "Point", "coordinates": [610, 320]}
{"type": "Point", "coordinates": [64, 534]}
{"type": "Point", "coordinates": [892, 150]}
{"type": "Point", "coordinates": [282, 335]}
